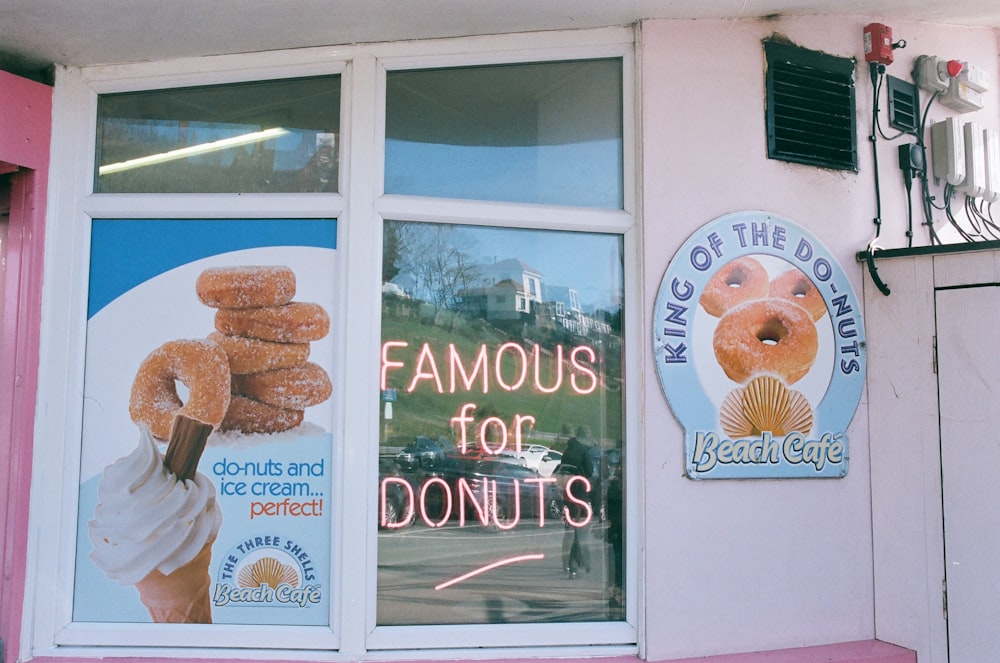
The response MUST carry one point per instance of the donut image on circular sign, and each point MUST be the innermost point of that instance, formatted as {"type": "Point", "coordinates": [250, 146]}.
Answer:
{"type": "Point", "coordinates": [760, 351]}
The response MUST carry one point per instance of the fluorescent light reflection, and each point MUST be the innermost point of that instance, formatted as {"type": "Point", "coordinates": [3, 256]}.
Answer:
{"type": "Point", "coordinates": [193, 150]}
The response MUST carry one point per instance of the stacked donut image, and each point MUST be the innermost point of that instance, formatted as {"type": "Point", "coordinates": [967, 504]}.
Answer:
{"type": "Point", "coordinates": [252, 374]}
{"type": "Point", "coordinates": [766, 340]}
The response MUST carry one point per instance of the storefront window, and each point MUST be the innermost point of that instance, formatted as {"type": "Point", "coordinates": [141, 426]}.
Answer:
{"type": "Point", "coordinates": [272, 136]}
{"type": "Point", "coordinates": [501, 426]}
{"type": "Point", "coordinates": [548, 133]}
{"type": "Point", "coordinates": [338, 470]}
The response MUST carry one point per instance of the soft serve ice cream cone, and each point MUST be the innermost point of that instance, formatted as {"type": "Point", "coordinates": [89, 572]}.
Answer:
{"type": "Point", "coordinates": [155, 525]}
{"type": "Point", "coordinates": [182, 597]}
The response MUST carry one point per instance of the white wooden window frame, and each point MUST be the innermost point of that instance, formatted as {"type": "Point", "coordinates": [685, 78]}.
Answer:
{"type": "Point", "coordinates": [361, 206]}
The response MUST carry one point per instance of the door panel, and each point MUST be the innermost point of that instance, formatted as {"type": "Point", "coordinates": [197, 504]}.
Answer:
{"type": "Point", "coordinates": [968, 321]}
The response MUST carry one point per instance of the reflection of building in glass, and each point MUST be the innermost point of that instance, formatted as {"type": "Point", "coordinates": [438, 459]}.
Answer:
{"type": "Point", "coordinates": [505, 301]}
{"type": "Point", "coordinates": [513, 292]}
{"type": "Point", "coordinates": [512, 269]}
{"type": "Point", "coordinates": [404, 282]}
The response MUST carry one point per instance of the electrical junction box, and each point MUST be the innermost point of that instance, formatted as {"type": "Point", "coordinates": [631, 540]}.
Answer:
{"type": "Point", "coordinates": [948, 151]}
{"type": "Point", "coordinates": [931, 73]}
{"type": "Point", "coordinates": [991, 150]}
{"type": "Point", "coordinates": [975, 161]}
{"type": "Point", "coordinates": [976, 78]}
{"type": "Point", "coordinates": [965, 90]}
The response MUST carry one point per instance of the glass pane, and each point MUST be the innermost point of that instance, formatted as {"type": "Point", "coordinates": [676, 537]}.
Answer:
{"type": "Point", "coordinates": [501, 426]}
{"type": "Point", "coordinates": [546, 133]}
{"type": "Point", "coordinates": [277, 136]}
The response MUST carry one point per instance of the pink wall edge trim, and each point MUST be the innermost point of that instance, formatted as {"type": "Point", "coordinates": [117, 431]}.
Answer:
{"type": "Point", "coordinates": [26, 114]}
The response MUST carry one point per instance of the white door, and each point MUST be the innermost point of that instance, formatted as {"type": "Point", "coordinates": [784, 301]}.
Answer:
{"type": "Point", "coordinates": [968, 331]}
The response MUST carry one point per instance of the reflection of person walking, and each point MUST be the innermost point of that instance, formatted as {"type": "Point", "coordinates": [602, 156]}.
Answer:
{"type": "Point", "coordinates": [615, 515]}
{"type": "Point", "coordinates": [575, 549]}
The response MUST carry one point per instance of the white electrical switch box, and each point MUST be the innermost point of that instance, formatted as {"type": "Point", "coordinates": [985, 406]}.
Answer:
{"type": "Point", "coordinates": [975, 162]}
{"type": "Point", "coordinates": [976, 78]}
{"type": "Point", "coordinates": [965, 91]}
{"type": "Point", "coordinates": [948, 151]}
{"type": "Point", "coordinates": [930, 73]}
{"type": "Point", "coordinates": [991, 150]}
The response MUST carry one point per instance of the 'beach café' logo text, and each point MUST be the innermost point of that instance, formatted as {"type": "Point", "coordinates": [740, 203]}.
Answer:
{"type": "Point", "coordinates": [267, 570]}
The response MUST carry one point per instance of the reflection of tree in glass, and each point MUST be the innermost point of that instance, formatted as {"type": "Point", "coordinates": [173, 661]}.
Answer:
{"type": "Point", "coordinates": [427, 253]}
{"type": "Point", "coordinates": [442, 307]}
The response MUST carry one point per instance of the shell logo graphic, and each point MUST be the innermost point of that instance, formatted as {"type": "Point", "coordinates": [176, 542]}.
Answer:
{"type": "Point", "coordinates": [765, 405]}
{"type": "Point", "coordinates": [267, 571]}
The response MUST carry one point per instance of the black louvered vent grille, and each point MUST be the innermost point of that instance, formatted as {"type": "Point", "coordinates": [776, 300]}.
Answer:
{"type": "Point", "coordinates": [810, 107]}
{"type": "Point", "coordinates": [904, 109]}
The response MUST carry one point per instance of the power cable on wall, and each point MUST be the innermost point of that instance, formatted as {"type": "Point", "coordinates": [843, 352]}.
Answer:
{"type": "Point", "coordinates": [875, 71]}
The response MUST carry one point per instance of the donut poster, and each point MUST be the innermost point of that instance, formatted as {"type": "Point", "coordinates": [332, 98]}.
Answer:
{"type": "Point", "coordinates": [207, 423]}
{"type": "Point", "coordinates": [760, 351]}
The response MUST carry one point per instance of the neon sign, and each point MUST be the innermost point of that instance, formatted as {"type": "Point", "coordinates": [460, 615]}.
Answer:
{"type": "Point", "coordinates": [484, 505]}
{"type": "Point", "coordinates": [511, 368]}
{"type": "Point", "coordinates": [583, 380]}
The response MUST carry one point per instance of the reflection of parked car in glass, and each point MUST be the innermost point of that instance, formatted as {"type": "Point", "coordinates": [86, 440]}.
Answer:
{"type": "Point", "coordinates": [425, 453]}
{"type": "Point", "coordinates": [532, 454]}
{"type": "Point", "coordinates": [395, 496]}
{"type": "Point", "coordinates": [535, 495]}
{"type": "Point", "coordinates": [548, 463]}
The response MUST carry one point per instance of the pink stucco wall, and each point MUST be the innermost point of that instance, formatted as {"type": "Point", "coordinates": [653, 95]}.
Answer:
{"type": "Point", "coordinates": [737, 566]}
{"type": "Point", "coordinates": [25, 126]}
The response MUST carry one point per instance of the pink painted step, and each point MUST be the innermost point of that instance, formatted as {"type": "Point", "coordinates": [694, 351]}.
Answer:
{"type": "Point", "coordinates": [863, 651]}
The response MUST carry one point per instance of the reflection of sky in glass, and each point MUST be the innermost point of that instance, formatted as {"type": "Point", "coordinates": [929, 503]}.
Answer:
{"type": "Point", "coordinates": [590, 263]}
{"type": "Point", "coordinates": [584, 174]}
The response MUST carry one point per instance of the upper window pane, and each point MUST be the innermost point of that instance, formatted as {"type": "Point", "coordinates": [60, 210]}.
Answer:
{"type": "Point", "coordinates": [548, 133]}
{"type": "Point", "coordinates": [271, 136]}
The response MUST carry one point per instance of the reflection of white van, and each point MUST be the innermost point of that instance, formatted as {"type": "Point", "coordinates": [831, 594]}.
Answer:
{"type": "Point", "coordinates": [548, 463]}
{"type": "Point", "coordinates": [532, 454]}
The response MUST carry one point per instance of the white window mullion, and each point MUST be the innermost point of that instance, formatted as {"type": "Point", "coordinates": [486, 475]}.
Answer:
{"type": "Point", "coordinates": [359, 248]}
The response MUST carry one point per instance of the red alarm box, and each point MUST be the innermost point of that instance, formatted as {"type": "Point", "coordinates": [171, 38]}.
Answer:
{"type": "Point", "coordinates": [878, 43]}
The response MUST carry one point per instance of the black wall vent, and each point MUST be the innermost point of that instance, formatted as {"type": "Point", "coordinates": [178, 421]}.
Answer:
{"type": "Point", "coordinates": [810, 107]}
{"type": "Point", "coordinates": [904, 108]}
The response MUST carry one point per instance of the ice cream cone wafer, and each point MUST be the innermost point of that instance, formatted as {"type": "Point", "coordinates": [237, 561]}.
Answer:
{"type": "Point", "coordinates": [184, 596]}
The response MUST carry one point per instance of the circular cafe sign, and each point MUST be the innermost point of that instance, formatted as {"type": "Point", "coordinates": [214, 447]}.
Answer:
{"type": "Point", "coordinates": [760, 350]}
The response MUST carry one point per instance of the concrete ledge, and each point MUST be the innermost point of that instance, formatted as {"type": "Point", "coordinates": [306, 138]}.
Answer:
{"type": "Point", "coordinates": [863, 651]}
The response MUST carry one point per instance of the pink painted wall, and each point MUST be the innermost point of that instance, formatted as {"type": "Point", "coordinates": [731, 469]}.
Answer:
{"type": "Point", "coordinates": [25, 126]}
{"type": "Point", "coordinates": [737, 566]}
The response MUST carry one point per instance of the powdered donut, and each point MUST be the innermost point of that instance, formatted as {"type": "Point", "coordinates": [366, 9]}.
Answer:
{"type": "Point", "coordinates": [766, 337]}
{"type": "Point", "coordinates": [245, 287]}
{"type": "Point", "coordinates": [737, 281]}
{"type": "Point", "coordinates": [200, 365]}
{"type": "Point", "coordinates": [291, 388]}
{"type": "Point", "coordinates": [249, 416]}
{"type": "Point", "coordinates": [796, 287]}
{"type": "Point", "coordinates": [295, 322]}
{"type": "Point", "coordinates": [251, 355]}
